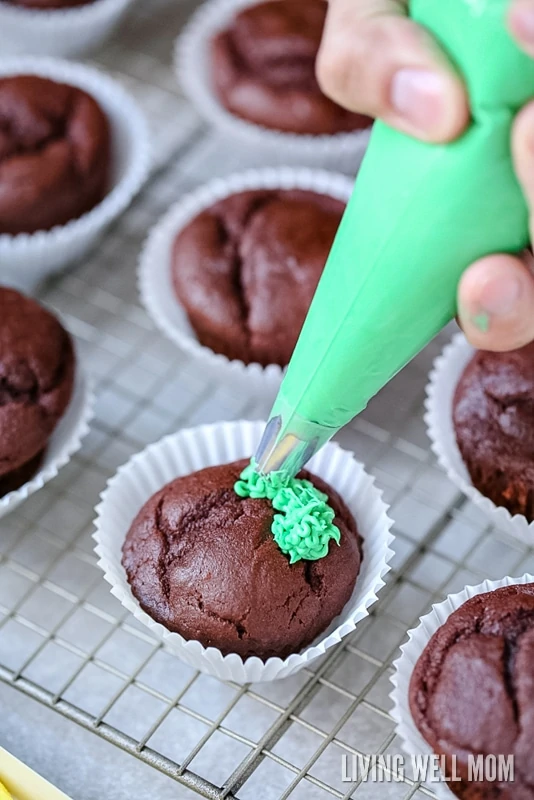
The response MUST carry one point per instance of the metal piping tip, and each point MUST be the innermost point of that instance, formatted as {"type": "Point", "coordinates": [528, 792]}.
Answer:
{"type": "Point", "coordinates": [282, 452]}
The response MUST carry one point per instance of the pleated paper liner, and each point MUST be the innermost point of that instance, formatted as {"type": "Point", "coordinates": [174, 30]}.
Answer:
{"type": "Point", "coordinates": [59, 32]}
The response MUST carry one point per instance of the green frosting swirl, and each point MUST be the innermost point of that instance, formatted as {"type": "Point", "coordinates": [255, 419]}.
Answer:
{"type": "Point", "coordinates": [305, 527]}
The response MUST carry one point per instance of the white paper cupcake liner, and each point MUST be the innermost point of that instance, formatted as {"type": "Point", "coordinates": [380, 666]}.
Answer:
{"type": "Point", "coordinates": [26, 259]}
{"type": "Point", "coordinates": [444, 378]}
{"type": "Point", "coordinates": [60, 32]}
{"type": "Point", "coordinates": [64, 442]}
{"type": "Point", "coordinates": [155, 282]}
{"type": "Point", "coordinates": [192, 65]}
{"type": "Point", "coordinates": [191, 450]}
{"type": "Point", "coordinates": [412, 741]}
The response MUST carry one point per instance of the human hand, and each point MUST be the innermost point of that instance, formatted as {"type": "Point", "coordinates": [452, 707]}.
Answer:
{"type": "Point", "coordinates": [375, 60]}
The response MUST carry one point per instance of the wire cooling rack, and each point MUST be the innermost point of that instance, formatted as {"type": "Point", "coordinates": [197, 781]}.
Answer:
{"type": "Point", "coordinates": [67, 642]}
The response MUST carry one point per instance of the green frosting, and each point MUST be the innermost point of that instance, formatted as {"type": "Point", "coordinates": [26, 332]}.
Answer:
{"type": "Point", "coordinates": [304, 528]}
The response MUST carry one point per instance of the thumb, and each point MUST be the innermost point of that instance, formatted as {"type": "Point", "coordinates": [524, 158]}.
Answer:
{"type": "Point", "coordinates": [496, 302]}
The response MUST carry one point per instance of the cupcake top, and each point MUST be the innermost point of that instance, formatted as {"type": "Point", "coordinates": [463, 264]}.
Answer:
{"type": "Point", "coordinates": [246, 270]}
{"type": "Point", "coordinates": [203, 562]}
{"type": "Point", "coordinates": [472, 690]}
{"type": "Point", "coordinates": [263, 69]}
{"type": "Point", "coordinates": [40, 5]}
{"type": "Point", "coordinates": [54, 153]}
{"type": "Point", "coordinates": [36, 380]}
{"type": "Point", "coordinates": [494, 422]}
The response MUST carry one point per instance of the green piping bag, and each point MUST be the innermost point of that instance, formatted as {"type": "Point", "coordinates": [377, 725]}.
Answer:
{"type": "Point", "coordinates": [419, 215]}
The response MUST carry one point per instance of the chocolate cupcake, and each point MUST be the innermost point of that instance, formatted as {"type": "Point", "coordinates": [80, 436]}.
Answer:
{"type": "Point", "coordinates": [36, 385]}
{"type": "Point", "coordinates": [203, 562]}
{"type": "Point", "coordinates": [246, 269]}
{"type": "Point", "coordinates": [493, 415]}
{"type": "Point", "coordinates": [263, 69]}
{"type": "Point", "coordinates": [471, 692]}
{"type": "Point", "coordinates": [54, 153]}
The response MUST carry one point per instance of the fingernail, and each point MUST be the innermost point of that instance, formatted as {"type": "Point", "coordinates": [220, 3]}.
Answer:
{"type": "Point", "coordinates": [522, 17]}
{"type": "Point", "coordinates": [500, 296]}
{"type": "Point", "coordinates": [418, 96]}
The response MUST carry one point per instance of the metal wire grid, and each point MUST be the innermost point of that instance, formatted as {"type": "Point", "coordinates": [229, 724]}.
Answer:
{"type": "Point", "coordinates": [67, 642]}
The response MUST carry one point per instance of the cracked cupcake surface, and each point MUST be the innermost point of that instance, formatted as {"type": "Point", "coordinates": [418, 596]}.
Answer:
{"type": "Point", "coordinates": [36, 384]}
{"type": "Point", "coordinates": [203, 562]}
{"type": "Point", "coordinates": [263, 69]}
{"type": "Point", "coordinates": [493, 415]}
{"type": "Point", "coordinates": [54, 154]}
{"type": "Point", "coordinates": [472, 690]}
{"type": "Point", "coordinates": [246, 270]}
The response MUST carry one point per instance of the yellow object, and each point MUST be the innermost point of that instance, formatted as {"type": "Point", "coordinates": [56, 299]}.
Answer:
{"type": "Point", "coordinates": [4, 794]}
{"type": "Point", "coordinates": [19, 782]}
